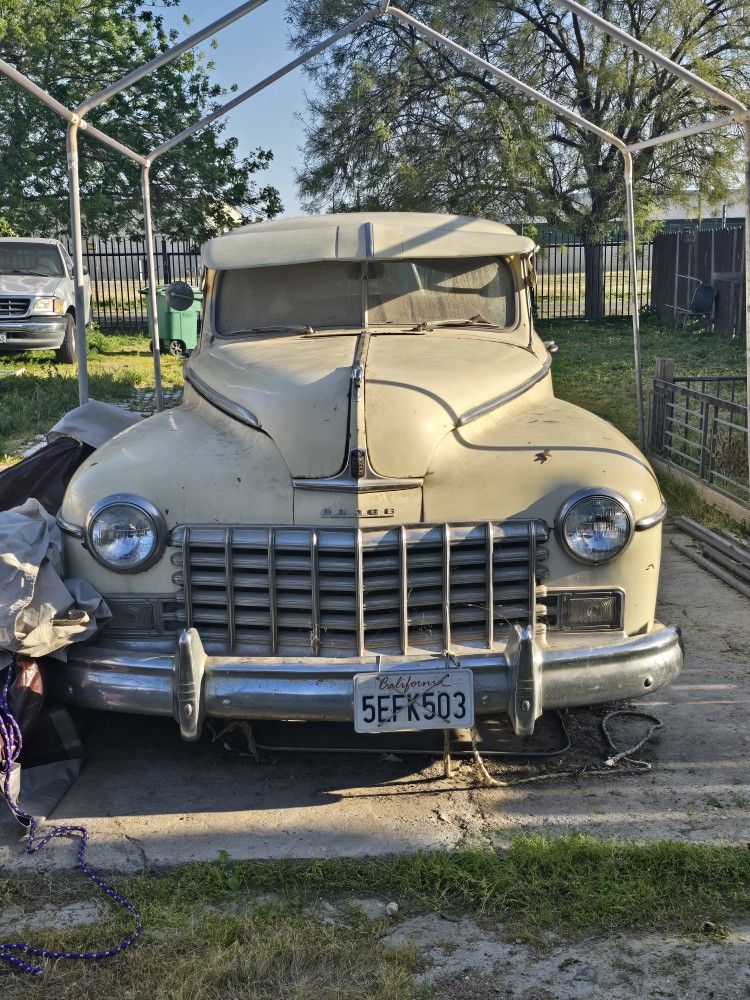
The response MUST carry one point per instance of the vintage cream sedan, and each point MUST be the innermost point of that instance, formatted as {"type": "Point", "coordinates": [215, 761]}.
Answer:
{"type": "Point", "coordinates": [370, 506]}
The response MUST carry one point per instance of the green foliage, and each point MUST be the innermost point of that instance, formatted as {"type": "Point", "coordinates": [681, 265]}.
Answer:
{"type": "Point", "coordinates": [403, 123]}
{"type": "Point", "coordinates": [5, 228]}
{"type": "Point", "coordinates": [73, 48]}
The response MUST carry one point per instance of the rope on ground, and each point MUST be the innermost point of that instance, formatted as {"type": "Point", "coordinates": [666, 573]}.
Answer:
{"type": "Point", "coordinates": [609, 764]}
{"type": "Point", "coordinates": [11, 743]}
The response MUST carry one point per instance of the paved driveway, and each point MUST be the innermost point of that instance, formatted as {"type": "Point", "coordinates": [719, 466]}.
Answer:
{"type": "Point", "coordinates": [150, 799]}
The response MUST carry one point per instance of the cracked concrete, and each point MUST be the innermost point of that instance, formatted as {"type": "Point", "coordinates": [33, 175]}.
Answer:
{"type": "Point", "coordinates": [149, 799]}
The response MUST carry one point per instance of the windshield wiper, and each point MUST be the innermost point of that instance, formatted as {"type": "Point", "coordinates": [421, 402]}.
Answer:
{"type": "Point", "coordinates": [272, 329]}
{"type": "Point", "coordinates": [31, 274]}
{"type": "Point", "coordinates": [477, 321]}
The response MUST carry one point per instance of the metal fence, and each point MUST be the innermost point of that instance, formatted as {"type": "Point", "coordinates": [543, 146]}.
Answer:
{"type": "Point", "coordinates": [117, 267]}
{"type": "Point", "coordinates": [562, 266]}
{"type": "Point", "coordinates": [700, 424]}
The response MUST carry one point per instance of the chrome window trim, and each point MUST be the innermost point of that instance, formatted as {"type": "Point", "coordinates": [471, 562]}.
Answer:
{"type": "Point", "coordinates": [149, 509]}
{"type": "Point", "coordinates": [651, 520]}
{"type": "Point", "coordinates": [221, 402]}
{"type": "Point", "coordinates": [493, 404]}
{"type": "Point", "coordinates": [583, 495]}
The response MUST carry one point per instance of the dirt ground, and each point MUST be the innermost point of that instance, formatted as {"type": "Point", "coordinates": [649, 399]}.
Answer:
{"type": "Point", "coordinates": [468, 962]}
{"type": "Point", "coordinates": [150, 800]}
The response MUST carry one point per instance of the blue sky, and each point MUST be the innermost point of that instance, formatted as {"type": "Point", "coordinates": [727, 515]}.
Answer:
{"type": "Point", "coordinates": [249, 50]}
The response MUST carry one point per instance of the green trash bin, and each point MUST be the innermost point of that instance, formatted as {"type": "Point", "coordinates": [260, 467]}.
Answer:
{"type": "Point", "coordinates": [178, 330]}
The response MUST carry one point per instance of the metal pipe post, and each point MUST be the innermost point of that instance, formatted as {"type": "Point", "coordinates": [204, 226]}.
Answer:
{"type": "Point", "coordinates": [634, 299]}
{"type": "Point", "coordinates": [747, 278]}
{"type": "Point", "coordinates": [165, 57]}
{"type": "Point", "coordinates": [153, 319]}
{"type": "Point", "coordinates": [684, 133]}
{"type": "Point", "coordinates": [720, 96]}
{"type": "Point", "coordinates": [77, 238]}
{"type": "Point", "coordinates": [245, 95]}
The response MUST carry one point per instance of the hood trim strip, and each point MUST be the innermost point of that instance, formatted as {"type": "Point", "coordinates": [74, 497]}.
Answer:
{"type": "Point", "coordinates": [493, 404]}
{"type": "Point", "coordinates": [344, 484]}
{"type": "Point", "coordinates": [370, 482]}
{"type": "Point", "coordinates": [221, 402]}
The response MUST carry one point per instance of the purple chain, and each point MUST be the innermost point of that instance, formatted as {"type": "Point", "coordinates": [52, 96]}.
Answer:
{"type": "Point", "coordinates": [10, 737]}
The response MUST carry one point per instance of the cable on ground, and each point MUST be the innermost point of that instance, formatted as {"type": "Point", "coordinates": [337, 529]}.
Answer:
{"type": "Point", "coordinates": [609, 763]}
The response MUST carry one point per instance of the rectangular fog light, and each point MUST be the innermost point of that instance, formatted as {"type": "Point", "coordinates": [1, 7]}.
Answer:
{"type": "Point", "coordinates": [591, 610]}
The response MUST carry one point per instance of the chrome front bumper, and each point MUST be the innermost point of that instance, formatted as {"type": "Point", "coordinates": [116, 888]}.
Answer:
{"type": "Point", "coordinates": [29, 334]}
{"type": "Point", "coordinates": [527, 677]}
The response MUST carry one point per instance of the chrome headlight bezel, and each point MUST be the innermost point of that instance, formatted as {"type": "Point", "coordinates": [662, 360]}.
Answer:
{"type": "Point", "coordinates": [47, 305]}
{"type": "Point", "coordinates": [146, 508]}
{"type": "Point", "coordinates": [592, 494]}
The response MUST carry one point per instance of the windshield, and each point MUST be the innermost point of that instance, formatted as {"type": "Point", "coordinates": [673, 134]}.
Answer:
{"type": "Point", "coordinates": [398, 293]}
{"type": "Point", "coordinates": [41, 259]}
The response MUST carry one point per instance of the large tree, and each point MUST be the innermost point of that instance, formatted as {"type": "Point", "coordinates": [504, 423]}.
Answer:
{"type": "Point", "coordinates": [73, 48]}
{"type": "Point", "coordinates": [399, 122]}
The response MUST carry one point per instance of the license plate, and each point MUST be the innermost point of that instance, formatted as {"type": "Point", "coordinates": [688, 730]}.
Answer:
{"type": "Point", "coordinates": [3, 338]}
{"type": "Point", "coordinates": [420, 699]}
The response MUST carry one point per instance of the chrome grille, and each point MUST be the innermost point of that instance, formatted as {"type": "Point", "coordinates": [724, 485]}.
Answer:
{"type": "Point", "coordinates": [13, 308]}
{"type": "Point", "coordinates": [345, 591]}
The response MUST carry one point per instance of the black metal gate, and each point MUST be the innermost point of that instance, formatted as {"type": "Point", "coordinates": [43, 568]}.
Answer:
{"type": "Point", "coordinates": [117, 267]}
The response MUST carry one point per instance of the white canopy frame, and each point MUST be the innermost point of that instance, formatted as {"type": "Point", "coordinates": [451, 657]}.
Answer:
{"type": "Point", "coordinates": [739, 113]}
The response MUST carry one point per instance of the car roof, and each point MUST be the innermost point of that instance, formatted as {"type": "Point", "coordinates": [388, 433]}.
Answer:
{"type": "Point", "coordinates": [30, 239]}
{"type": "Point", "coordinates": [356, 236]}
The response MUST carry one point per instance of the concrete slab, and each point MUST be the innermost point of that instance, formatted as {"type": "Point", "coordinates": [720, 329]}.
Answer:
{"type": "Point", "coordinates": [149, 799]}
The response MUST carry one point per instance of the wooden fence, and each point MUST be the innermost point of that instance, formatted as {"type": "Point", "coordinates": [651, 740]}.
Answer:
{"type": "Point", "coordinates": [681, 261]}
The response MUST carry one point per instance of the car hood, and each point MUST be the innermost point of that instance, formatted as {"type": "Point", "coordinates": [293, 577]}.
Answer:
{"type": "Point", "coordinates": [417, 387]}
{"type": "Point", "coordinates": [27, 285]}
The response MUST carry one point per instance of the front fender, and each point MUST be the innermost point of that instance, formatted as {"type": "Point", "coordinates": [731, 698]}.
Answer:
{"type": "Point", "coordinates": [197, 465]}
{"type": "Point", "coordinates": [526, 461]}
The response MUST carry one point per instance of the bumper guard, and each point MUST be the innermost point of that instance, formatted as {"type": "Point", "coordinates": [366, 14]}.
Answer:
{"type": "Point", "coordinates": [522, 680]}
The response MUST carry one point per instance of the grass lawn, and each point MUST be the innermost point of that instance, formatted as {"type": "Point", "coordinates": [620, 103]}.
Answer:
{"type": "Point", "coordinates": [594, 366]}
{"type": "Point", "coordinates": [31, 402]}
{"type": "Point", "coordinates": [251, 929]}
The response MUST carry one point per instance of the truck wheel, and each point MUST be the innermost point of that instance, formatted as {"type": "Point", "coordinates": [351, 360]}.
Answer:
{"type": "Point", "coordinates": [66, 352]}
{"type": "Point", "coordinates": [177, 347]}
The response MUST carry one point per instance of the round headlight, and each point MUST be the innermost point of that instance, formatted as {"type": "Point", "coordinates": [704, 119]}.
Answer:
{"type": "Point", "coordinates": [595, 526]}
{"type": "Point", "coordinates": [125, 533]}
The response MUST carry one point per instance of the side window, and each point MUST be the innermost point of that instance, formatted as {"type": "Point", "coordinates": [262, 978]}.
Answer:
{"type": "Point", "coordinates": [67, 261]}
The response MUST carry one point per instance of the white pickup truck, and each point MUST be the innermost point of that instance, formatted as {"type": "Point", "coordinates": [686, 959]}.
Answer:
{"type": "Point", "coordinates": [37, 297]}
